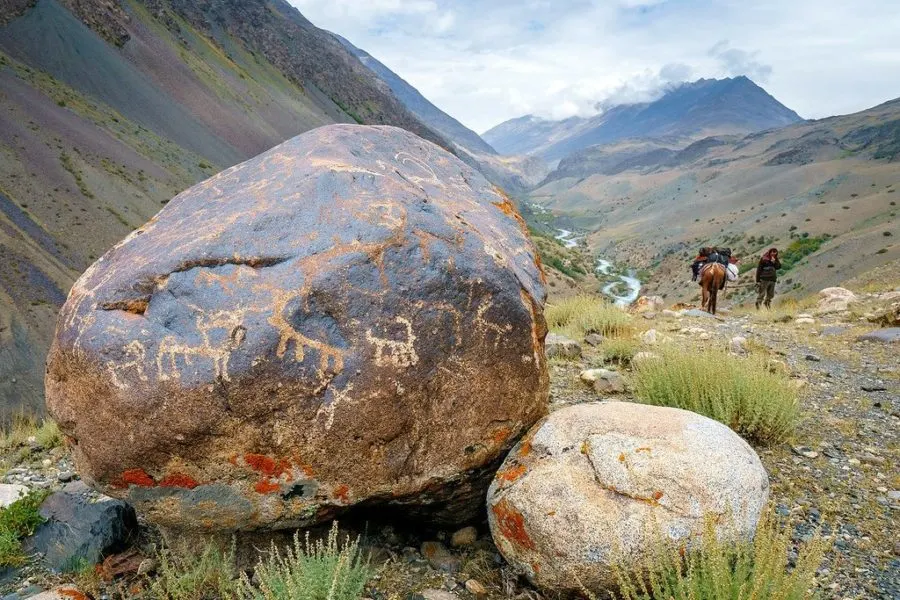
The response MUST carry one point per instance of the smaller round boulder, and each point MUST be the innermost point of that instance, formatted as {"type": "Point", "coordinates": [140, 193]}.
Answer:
{"type": "Point", "coordinates": [591, 485]}
{"type": "Point", "coordinates": [647, 304]}
{"type": "Point", "coordinates": [834, 300]}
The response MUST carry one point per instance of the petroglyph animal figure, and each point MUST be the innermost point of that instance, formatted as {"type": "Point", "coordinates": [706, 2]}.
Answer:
{"type": "Point", "coordinates": [328, 354]}
{"type": "Point", "coordinates": [171, 346]}
{"type": "Point", "coordinates": [133, 358]}
{"type": "Point", "coordinates": [400, 353]}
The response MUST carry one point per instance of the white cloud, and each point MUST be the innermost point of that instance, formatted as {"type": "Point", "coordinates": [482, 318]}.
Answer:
{"type": "Point", "coordinates": [485, 62]}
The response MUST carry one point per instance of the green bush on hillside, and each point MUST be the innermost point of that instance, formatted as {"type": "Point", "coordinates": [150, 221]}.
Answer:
{"type": "Point", "coordinates": [739, 392]}
{"type": "Point", "coordinates": [799, 249]}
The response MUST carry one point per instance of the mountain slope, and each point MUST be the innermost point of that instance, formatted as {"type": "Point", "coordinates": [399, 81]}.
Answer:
{"type": "Point", "coordinates": [689, 111]}
{"type": "Point", "coordinates": [451, 129]}
{"type": "Point", "coordinates": [827, 188]}
{"type": "Point", "coordinates": [108, 109]}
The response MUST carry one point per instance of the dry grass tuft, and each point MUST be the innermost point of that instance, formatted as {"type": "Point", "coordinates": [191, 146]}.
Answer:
{"type": "Point", "coordinates": [723, 570]}
{"type": "Point", "coordinates": [578, 316]}
{"type": "Point", "coordinates": [45, 433]}
{"type": "Point", "coordinates": [742, 393]}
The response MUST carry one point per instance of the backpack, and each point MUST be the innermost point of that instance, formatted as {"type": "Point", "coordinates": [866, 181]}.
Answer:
{"type": "Point", "coordinates": [724, 256]}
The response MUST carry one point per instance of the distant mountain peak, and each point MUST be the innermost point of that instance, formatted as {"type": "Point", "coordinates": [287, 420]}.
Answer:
{"type": "Point", "coordinates": [689, 110]}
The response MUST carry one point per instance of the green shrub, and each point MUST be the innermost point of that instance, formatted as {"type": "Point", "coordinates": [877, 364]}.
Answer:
{"type": "Point", "coordinates": [185, 575]}
{"type": "Point", "coordinates": [723, 570]}
{"type": "Point", "coordinates": [740, 393]}
{"type": "Point", "coordinates": [567, 268]}
{"type": "Point", "coordinates": [18, 520]}
{"type": "Point", "coordinates": [579, 315]}
{"type": "Point", "coordinates": [799, 249]}
{"type": "Point", "coordinates": [619, 350]}
{"type": "Point", "coordinates": [46, 433]}
{"type": "Point", "coordinates": [321, 570]}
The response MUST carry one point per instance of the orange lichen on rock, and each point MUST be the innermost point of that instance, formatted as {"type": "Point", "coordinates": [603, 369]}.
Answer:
{"type": "Point", "coordinates": [266, 486]}
{"type": "Point", "coordinates": [501, 435]}
{"type": "Point", "coordinates": [525, 447]}
{"type": "Point", "coordinates": [138, 477]}
{"type": "Point", "coordinates": [342, 493]}
{"type": "Point", "coordinates": [506, 205]}
{"type": "Point", "coordinates": [511, 524]}
{"type": "Point", "coordinates": [511, 474]}
{"type": "Point", "coordinates": [179, 480]}
{"type": "Point", "coordinates": [657, 495]}
{"type": "Point", "coordinates": [267, 465]}
{"type": "Point", "coordinates": [71, 593]}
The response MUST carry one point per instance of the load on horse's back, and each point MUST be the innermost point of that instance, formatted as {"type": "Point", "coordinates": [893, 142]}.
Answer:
{"type": "Point", "coordinates": [714, 266]}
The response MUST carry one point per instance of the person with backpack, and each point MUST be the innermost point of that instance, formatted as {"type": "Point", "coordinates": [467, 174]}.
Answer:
{"type": "Point", "coordinates": [766, 276]}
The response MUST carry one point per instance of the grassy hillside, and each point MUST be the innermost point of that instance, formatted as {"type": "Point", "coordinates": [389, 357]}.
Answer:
{"type": "Point", "coordinates": [106, 113]}
{"type": "Point", "coordinates": [824, 191]}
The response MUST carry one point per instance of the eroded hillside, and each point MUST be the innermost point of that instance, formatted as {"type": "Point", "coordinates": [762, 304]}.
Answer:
{"type": "Point", "coordinates": [109, 109]}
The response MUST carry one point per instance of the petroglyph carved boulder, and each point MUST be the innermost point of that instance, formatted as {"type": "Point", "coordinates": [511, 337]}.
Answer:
{"type": "Point", "coordinates": [591, 485]}
{"type": "Point", "coordinates": [353, 317]}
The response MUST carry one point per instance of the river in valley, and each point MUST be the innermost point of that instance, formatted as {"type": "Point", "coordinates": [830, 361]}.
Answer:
{"type": "Point", "coordinates": [625, 289]}
{"type": "Point", "coordinates": [568, 238]}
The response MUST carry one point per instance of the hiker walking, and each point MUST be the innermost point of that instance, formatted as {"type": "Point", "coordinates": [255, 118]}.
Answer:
{"type": "Point", "coordinates": [766, 276]}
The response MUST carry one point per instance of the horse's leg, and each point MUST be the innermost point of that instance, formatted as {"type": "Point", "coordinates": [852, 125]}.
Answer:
{"type": "Point", "coordinates": [712, 298]}
{"type": "Point", "coordinates": [705, 300]}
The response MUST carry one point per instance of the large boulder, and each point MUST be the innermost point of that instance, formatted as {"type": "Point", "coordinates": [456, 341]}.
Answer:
{"type": "Point", "coordinates": [834, 299]}
{"type": "Point", "coordinates": [351, 318]}
{"type": "Point", "coordinates": [591, 486]}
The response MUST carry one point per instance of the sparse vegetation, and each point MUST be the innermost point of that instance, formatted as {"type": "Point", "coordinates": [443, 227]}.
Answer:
{"type": "Point", "coordinates": [619, 350]}
{"type": "Point", "coordinates": [184, 575]}
{"type": "Point", "coordinates": [741, 393]}
{"type": "Point", "coordinates": [45, 433]}
{"type": "Point", "coordinates": [18, 520]}
{"type": "Point", "coordinates": [67, 164]}
{"type": "Point", "coordinates": [328, 569]}
{"type": "Point", "coordinates": [723, 570]}
{"type": "Point", "coordinates": [579, 315]}
{"type": "Point", "coordinates": [799, 249]}
{"type": "Point", "coordinates": [567, 268]}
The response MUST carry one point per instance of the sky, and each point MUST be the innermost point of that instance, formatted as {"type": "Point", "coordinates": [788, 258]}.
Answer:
{"type": "Point", "coordinates": [487, 61]}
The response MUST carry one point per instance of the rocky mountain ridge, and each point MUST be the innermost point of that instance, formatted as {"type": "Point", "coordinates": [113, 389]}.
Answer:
{"type": "Point", "coordinates": [687, 112]}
